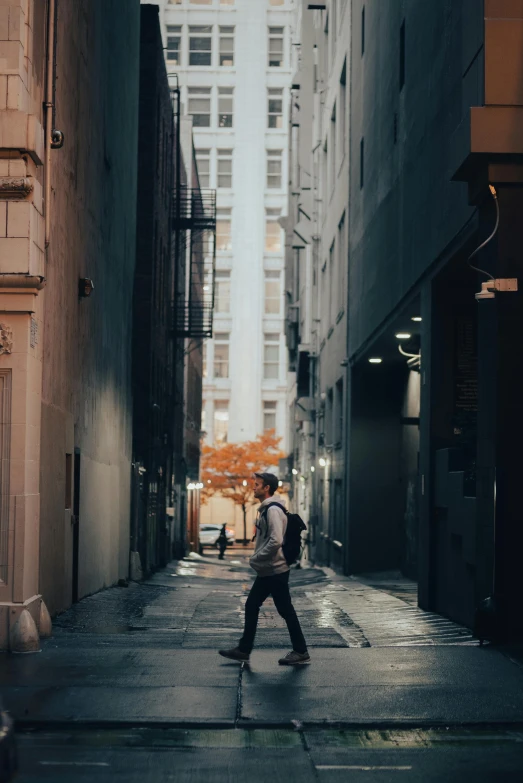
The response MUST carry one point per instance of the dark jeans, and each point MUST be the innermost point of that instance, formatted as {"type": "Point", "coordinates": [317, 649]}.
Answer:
{"type": "Point", "coordinates": [278, 587]}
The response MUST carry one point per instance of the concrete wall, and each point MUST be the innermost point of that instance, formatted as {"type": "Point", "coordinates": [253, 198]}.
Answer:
{"type": "Point", "coordinates": [408, 210]}
{"type": "Point", "coordinates": [86, 399]}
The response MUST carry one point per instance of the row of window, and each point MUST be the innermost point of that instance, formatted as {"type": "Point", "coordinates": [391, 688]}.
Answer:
{"type": "Point", "coordinates": [200, 42]}
{"type": "Point", "coordinates": [200, 107]}
{"type": "Point", "coordinates": [273, 231]}
{"type": "Point", "coordinates": [333, 278]}
{"type": "Point", "coordinates": [224, 169]}
{"type": "Point", "coordinates": [221, 419]}
{"type": "Point", "coordinates": [220, 364]}
{"type": "Point", "coordinates": [335, 143]}
{"type": "Point", "coordinates": [272, 292]}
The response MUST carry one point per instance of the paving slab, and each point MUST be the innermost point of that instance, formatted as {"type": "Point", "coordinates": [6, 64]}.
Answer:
{"type": "Point", "coordinates": [122, 704]}
{"type": "Point", "coordinates": [438, 685]}
{"type": "Point", "coordinates": [118, 667]}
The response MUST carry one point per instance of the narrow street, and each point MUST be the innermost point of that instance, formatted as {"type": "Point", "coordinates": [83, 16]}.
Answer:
{"type": "Point", "coordinates": [130, 687]}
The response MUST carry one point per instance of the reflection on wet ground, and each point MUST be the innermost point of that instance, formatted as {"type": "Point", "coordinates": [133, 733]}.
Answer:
{"type": "Point", "coordinates": [207, 607]}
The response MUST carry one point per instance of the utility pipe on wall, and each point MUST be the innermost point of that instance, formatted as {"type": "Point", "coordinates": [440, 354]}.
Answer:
{"type": "Point", "coordinates": [49, 107]}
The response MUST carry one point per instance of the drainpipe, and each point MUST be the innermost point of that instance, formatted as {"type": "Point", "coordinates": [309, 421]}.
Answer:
{"type": "Point", "coordinates": [49, 108]}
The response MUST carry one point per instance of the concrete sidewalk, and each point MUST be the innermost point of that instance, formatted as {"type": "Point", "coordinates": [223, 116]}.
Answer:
{"type": "Point", "coordinates": [146, 655]}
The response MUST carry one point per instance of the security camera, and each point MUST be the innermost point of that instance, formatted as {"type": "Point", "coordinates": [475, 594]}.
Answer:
{"type": "Point", "coordinates": [487, 292]}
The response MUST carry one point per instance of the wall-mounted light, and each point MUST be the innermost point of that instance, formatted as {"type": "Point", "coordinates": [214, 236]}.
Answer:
{"type": "Point", "coordinates": [294, 472]}
{"type": "Point", "coordinates": [312, 468]}
{"type": "Point", "coordinates": [244, 482]}
{"type": "Point", "coordinates": [322, 462]}
{"type": "Point", "coordinates": [403, 336]}
{"type": "Point", "coordinates": [375, 360]}
{"type": "Point", "coordinates": [85, 287]}
{"type": "Point", "coordinates": [416, 318]}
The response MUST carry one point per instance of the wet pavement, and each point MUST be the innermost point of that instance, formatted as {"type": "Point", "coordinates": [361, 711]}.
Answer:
{"type": "Point", "coordinates": [130, 687]}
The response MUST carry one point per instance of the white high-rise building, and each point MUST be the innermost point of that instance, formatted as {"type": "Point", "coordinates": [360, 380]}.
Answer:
{"type": "Point", "coordinates": [233, 62]}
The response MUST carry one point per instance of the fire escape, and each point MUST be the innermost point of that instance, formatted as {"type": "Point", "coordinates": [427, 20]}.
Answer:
{"type": "Point", "coordinates": [195, 225]}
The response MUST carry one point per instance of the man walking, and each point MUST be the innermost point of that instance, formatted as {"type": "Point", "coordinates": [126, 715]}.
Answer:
{"type": "Point", "coordinates": [272, 577]}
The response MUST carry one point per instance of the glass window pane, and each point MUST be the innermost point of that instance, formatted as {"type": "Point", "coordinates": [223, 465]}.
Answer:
{"type": "Point", "coordinates": [223, 234]}
{"type": "Point", "coordinates": [272, 237]}
{"type": "Point", "coordinates": [270, 372]}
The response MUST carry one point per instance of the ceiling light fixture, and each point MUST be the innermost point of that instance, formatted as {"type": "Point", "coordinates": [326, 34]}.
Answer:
{"type": "Point", "coordinates": [416, 318]}
{"type": "Point", "coordinates": [403, 336]}
{"type": "Point", "coordinates": [375, 360]}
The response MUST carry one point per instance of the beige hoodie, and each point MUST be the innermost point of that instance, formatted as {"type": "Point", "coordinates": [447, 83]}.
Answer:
{"type": "Point", "coordinates": [268, 558]}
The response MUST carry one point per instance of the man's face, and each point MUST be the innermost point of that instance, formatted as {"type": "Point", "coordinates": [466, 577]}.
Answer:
{"type": "Point", "coordinates": [261, 490]}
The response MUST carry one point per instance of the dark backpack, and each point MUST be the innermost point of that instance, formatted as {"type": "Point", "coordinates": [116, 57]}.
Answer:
{"type": "Point", "coordinates": [291, 547]}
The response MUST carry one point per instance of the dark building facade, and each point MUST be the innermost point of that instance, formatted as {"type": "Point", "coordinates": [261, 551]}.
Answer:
{"type": "Point", "coordinates": [172, 313]}
{"type": "Point", "coordinates": [435, 375]}
{"type": "Point", "coordinates": [154, 349]}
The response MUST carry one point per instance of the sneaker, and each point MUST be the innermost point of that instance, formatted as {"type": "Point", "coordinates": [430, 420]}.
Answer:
{"type": "Point", "coordinates": [235, 655]}
{"type": "Point", "coordinates": [295, 659]}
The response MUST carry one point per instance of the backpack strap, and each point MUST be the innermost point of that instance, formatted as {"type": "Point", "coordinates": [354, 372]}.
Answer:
{"type": "Point", "coordinates": [266, 508]}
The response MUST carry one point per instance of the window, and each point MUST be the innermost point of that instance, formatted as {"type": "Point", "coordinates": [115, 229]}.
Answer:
{"type": "Point", "coordinates": [200, 106]}
{"type": "Point", "coordinates": [275, 47]}
{"type": "Point", "coordinates": [225, 168]}
{"type": "Point", "coordinates": [342, 114]}
{"type": "Point", "coordinates": [342, 262]}
{"type": "Point", "coordinates": [362, 162]}
{"type": "Point", "coordinates": [402, 55]}
{"type": "Point", "coordinates": [273, 243]}
{"type": "Point", "coordinates": [225, 107]}
{"type": "Point", "coordinates": [324, 294]}
{"type": "Point", "coordinates": [203, 161]}
{"type": "Point", "coordinates": [329, 418]}
{"type": "Point", "coordinates": [276, 2]}
{"type": "Point", "coordinates": [223, 229]}
{"type": "Point", "coordinates": [201, 2]}
{"type": "Point", "coordinates": [273, 295]}
{"type": "Point", "coordinates": [68, 481]}
{"type": "Point", "coordinates": [363, 31]}
{"type": "Point", "coordinates": [274, 168]}
{"type": "Point", "coordinates": [332, 148]}
{"type": "Point", "coordinates": [332, 281]}
{"type": "Point", "coordinates": [174, 37]}
{"type": "Point", "coordinates": [269, 415]}
{"type": "Point", "coordinates": [204, 362]}
{"type": "Point", "coordinates": [338, 414]}
{"type": "Point", "coordinates": [200, 45]}
{"type": "Point", "coordinates": [221, 421]}
{"type": "Point", "coordinates": [222, 291]}
{"type": "Point", "coordinates": [271, 356]}
{"type": "Point", "coordinates": [275, 109]}
{"type": "Point", "coordinates": [227, 46]}
{"type": "Point", "coordinates": [221, 355]}
{"type": "Point", "coordinates": [204, 420]}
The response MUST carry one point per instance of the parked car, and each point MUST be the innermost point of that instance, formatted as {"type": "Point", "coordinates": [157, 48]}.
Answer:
{"type": "Point", "coordinates": [8, 763]}
{"type": "Point", "coordinates": [209, 536]}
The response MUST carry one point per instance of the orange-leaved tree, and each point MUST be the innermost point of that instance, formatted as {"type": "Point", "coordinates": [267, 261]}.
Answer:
{"type": "Point", "coordinates": [227, 470]}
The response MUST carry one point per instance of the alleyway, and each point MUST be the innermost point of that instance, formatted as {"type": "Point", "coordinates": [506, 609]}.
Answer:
{"type": "Point", "coordinates": [130, 688]}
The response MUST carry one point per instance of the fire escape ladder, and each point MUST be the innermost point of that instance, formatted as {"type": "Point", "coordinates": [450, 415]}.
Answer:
{"type": "Point", "coordinates": [196, 221]}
